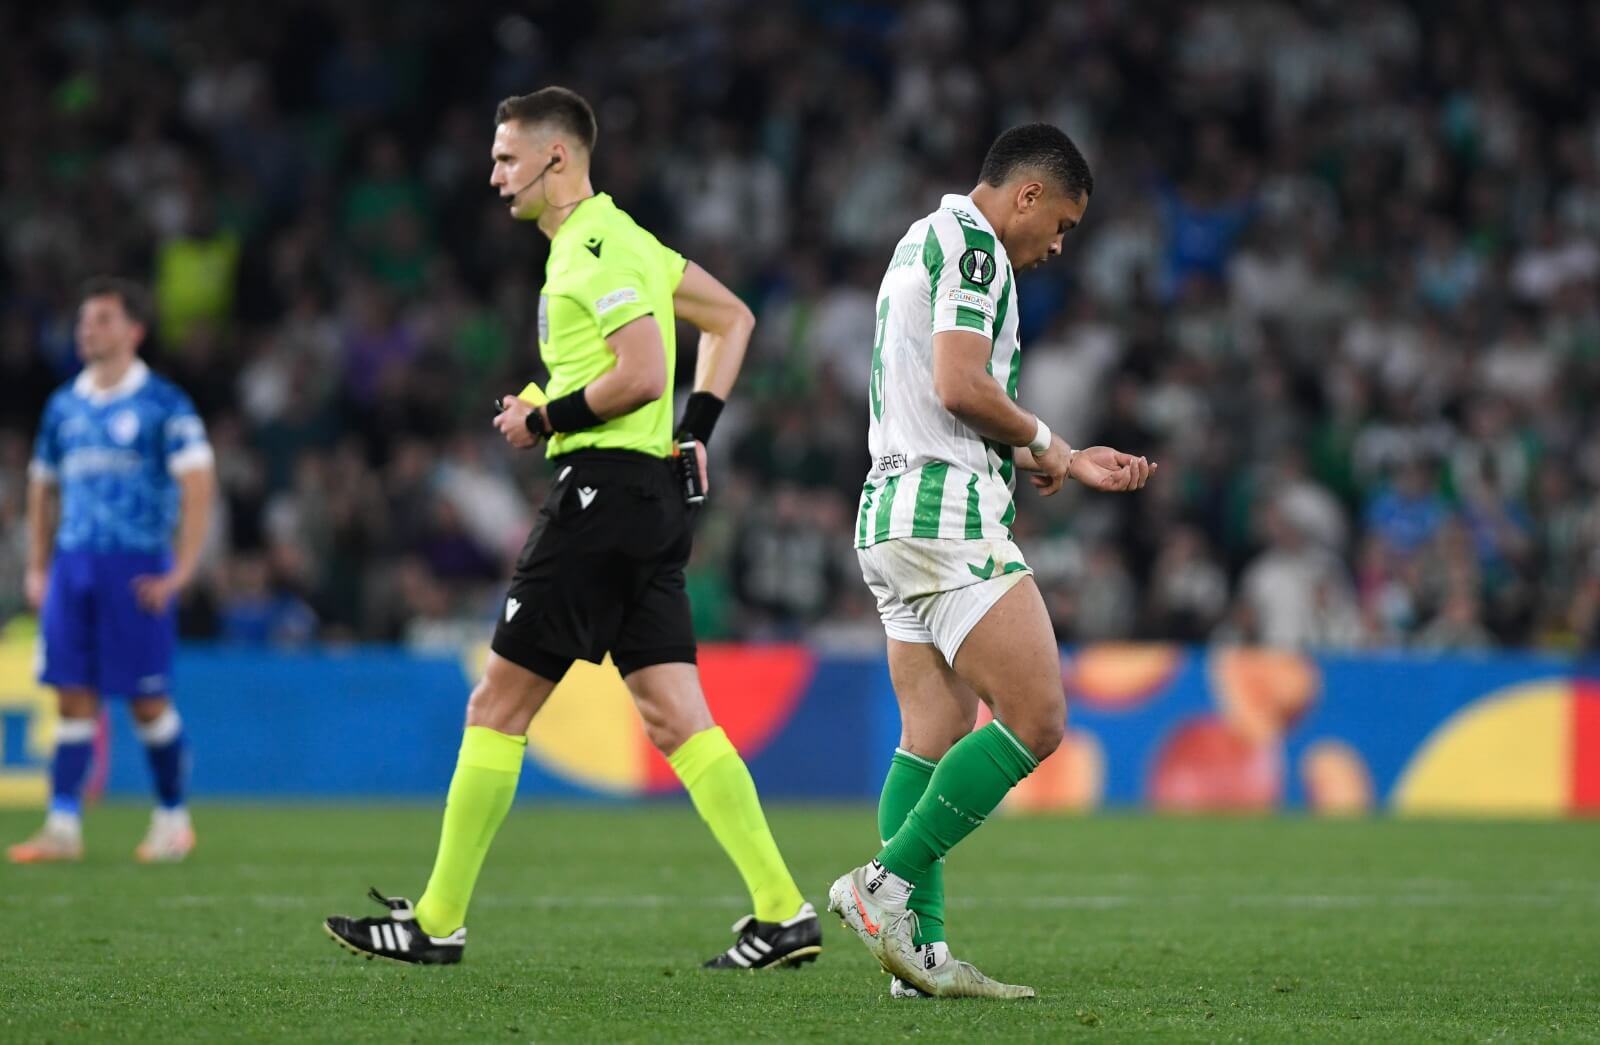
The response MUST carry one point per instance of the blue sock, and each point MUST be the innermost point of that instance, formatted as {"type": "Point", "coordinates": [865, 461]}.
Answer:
{"type": "Point", "coordinates": [70, 765]}
{"type": "Point", "coordinates": [168, 751]}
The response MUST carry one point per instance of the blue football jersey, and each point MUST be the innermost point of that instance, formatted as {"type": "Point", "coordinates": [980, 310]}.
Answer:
{"type": "Point", "coordinates": [116, 454]}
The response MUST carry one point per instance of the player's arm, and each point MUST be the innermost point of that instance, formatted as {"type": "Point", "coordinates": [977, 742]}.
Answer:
{"type": "Point", "coordinates": [639, 377]}
{"type": "Point", "coordinates": [190, 461]}
{"type": "Point", "coordinates": [44, 506]}
{"type": "Point", "coordinates": [725, 324]}
{"type": "Point", "coordinates": [196, 490]}
{"type": "Point", "coordinates": [44, 514]}
{"type": "Point", "coordinates": [962, 381]}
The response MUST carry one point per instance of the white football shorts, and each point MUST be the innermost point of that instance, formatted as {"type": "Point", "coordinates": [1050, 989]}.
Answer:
{"type": "Point", "coordinates": [935, 590]}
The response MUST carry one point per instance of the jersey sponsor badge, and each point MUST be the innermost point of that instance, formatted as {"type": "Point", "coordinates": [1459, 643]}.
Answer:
{"type": "Point", "coordinates": [124, 426]}
{"type": "Point", "coordinates": [966, 298]}
{"type": "Point", "coordinates": [615, 299]}
{"type": "Point", "coordinates": [977, 266]}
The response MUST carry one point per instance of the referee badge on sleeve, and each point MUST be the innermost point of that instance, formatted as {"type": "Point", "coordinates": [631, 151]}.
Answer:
{"type": "Point", "coordinates": [544, 319]}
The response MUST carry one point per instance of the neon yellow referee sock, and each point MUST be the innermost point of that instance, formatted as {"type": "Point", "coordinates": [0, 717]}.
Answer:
{"type": "Point", "coordinates": [719, 784]}
{"type": "Point", "coordinates": [481, 791]}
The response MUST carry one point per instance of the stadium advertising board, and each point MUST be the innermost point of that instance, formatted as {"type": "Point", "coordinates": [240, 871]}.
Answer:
{"type": "Point", "coordinates": [1161, 727]}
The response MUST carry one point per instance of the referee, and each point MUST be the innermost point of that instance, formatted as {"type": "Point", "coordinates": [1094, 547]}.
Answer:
{"type": "Point", "coordinates": [602, 571]}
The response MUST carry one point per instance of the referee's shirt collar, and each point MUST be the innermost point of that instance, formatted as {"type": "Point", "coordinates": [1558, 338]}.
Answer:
{"type": "Point", "coordinates": [956, 201]}
{"type": "Point", "coordinates": [588, 209]}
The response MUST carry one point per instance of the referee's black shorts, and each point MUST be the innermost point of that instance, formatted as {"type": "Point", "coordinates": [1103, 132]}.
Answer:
{"type": "Point", "coordinates": [602, 571]}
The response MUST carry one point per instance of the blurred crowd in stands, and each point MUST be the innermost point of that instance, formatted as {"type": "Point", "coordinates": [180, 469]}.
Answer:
{"type": "Point", "coordinates": [1340, 277]}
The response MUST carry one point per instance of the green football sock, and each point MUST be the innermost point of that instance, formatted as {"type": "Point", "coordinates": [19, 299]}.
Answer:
{"type": "Point", "coordinates": [481, 791]}
{"type": "Point", "coordinates": [907, 780]}
{"type": "Point", "coordinates": [966, 786]}
{"type": "Point", "coordinates": [723, 793]}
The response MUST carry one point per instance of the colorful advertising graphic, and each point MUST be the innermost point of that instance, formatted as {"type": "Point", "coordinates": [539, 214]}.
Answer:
{"type": "Point", "coordinates": [1162, 727]}
{"type": "Point", "coordinates": [27, 725]}
{"type": "Point", "coordinates": [589, 733]}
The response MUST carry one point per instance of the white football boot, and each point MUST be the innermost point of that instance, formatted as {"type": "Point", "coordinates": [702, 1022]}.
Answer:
{"type": "Point", "coordinates": [955, 978]}
{"type": "Point", "coordinates": [883, 922]}
{"type": "Point", "coordinates": [169, 840]}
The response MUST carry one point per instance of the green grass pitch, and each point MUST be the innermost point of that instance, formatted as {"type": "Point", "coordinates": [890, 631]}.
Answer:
{"type": "Point", "coordinates": [589, 924]}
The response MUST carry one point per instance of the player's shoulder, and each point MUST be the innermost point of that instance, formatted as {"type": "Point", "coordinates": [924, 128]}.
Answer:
{"type": "Point", "coordinates": [633, 241]}
{"type": "Point", "coordinates": [64, 398]}
{"type": "Point", "coordinates": [608, 244]}
{"type": "Point", "coordinates": [966, 244]}
{"type": "Point", "coordinates": [959, 226]}
{"type": "Point", "coordinates": [165, 392]}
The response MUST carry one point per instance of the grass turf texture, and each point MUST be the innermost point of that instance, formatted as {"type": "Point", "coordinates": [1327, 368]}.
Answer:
{"type": "Point", "coordinates": [589, 925]}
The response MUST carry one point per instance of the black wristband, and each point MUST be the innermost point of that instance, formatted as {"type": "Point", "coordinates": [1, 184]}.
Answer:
{"type": "Point", "coordinates": [700, 416]}
{"type": "Point", "coordinates": [571, 413]}
{"type": "Point", "coordinates": [536, 424]}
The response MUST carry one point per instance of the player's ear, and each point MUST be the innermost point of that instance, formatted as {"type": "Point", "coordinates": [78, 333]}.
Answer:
{"type": "Point", "coordinates": [1029, 195]}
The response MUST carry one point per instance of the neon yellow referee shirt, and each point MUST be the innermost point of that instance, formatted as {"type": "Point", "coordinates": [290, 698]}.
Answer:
{"type": "Point", "coordinates": [604, 272]}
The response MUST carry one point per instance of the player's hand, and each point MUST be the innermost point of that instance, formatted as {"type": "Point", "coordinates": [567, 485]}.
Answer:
{"type": "Point", "coordinates": [1049, 469]}
{"type": "Point", "coordinates": [1111, 471]}
{"type": "Point", "coordinates": [155, 591]}
{"type": "Point", "coordinates": [512, 422]}
{"type": "Point", "coordinates": [34, 584]}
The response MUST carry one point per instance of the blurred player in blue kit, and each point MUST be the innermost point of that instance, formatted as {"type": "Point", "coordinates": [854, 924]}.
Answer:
{"type": "Point", "coordinates": [120, 465]}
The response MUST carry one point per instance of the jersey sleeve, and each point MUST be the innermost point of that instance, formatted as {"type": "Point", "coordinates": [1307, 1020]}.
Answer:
{"type": "Point", "coordinates": [962, 275]}
{"type": "Point", "coordinates": [46, 462]}
{"type": "Point", "coordinates": [674, 263]}
{"type": "Point", "coordinates": [616, 292]}
{"type": "Point", "coordinates": [183, 437]}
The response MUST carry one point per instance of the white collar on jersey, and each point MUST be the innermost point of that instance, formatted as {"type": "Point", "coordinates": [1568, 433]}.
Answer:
{"type": "Point", "coordinates": [131, 382]}
{"type": "Point", "coordinates": [956, 201]}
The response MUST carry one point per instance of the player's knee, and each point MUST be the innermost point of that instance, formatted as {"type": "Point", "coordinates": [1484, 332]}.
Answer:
{"type": "Point", "coordinates": [672, 707]}
{"type": "Point", "coordinates": [1041, 731]}
{"type": "Point", "coordinates": [148, 709]}
{"type": "Point", "coordinates": [492, 706]}
{"type": "Point", "coordinates": [670, 719]}
{"type": "Point", "coordinates": [932, 739]}
{"type": "Point", "coordinates": [667, 734]}
{"type": "Point", "coordinates": [78, 703]}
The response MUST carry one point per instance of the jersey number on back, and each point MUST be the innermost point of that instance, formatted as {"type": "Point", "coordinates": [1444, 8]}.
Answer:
{"type": "Point", "coordinates": [876, 389]}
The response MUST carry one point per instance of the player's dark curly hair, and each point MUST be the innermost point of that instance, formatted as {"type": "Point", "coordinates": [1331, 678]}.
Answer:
{"type": "Point", "coordinates": [553, 105]}
{"type": "Point", "coordinates": [136, 303]}
{"type": "Point", "coordinates": [1039, 146]}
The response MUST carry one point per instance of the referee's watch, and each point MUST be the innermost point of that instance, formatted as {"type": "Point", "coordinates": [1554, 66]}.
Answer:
{"type": "Point", "coordinates": [538, 424]}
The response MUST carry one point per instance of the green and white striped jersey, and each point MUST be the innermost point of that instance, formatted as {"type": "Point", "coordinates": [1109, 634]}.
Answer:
{"type": "Point", "coordinates": [932, 476]}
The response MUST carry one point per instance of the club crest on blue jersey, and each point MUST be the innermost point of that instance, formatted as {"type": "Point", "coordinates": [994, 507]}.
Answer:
{"type": "Point", "coordinates": [123, 426]}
